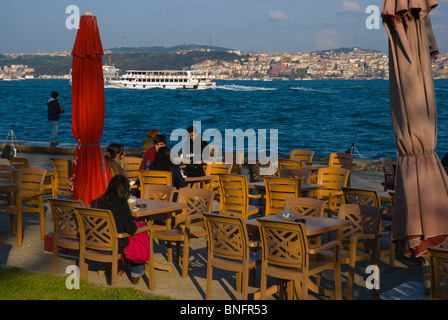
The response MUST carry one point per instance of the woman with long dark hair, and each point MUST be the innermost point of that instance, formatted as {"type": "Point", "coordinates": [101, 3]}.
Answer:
{"type": "Point", "coordinates": [162, 161]}
{"type": "Point", "coordinates": [115, 199]}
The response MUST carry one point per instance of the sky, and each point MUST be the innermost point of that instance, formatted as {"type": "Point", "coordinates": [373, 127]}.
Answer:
{"type": "Point", "coordinates": [248, 25]}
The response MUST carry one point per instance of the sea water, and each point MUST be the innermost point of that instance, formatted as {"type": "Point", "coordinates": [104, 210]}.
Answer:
{"type": "Point", "coordinates": [323, 115]}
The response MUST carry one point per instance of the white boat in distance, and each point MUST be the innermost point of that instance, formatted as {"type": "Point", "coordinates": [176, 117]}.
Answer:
{"type": "Point", "coordinates": [164, 79]}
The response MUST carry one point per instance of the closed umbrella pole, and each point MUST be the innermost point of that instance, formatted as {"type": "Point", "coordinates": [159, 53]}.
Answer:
{"type": "Point", "coordinates": [420, 215]}
{"type": "Point", "coordinates": [90, 173]}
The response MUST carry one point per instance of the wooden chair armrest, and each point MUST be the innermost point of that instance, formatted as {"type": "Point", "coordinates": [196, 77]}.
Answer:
{"type": "Point", "coordinates": [335, 243]}
{"type": "Point", "coordinates": [139, 230]}
{"type": "Point", "coordinates": [255, 196]}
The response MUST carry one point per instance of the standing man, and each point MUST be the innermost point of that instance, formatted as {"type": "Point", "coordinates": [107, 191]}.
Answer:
{"type": "Point", "coordinates": [54, 110]}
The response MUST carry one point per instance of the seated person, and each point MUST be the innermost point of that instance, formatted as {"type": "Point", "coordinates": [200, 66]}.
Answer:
{"type": "Point", "coordinates": [163, 162]}
{"type": "Point", "coordinates": [159, 141]}
{"type": "Point", "coordinates": [115, 199]}
{"type": "Point", "coordinates": [114, 154]}
{"type": "Point", "coordinates": [148, 142]}
{"type": "Point", "coordinates": [193, 133]}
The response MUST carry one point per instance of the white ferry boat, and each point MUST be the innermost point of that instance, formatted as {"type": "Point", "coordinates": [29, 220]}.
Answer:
{"type": "Point", "coordinates": [164, 79]}
{"type": "Point", "coordinates": [109, 73]}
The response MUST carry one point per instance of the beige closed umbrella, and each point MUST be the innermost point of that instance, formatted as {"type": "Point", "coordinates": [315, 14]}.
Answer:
{"type": "Point", "coordinates": [420, 217]}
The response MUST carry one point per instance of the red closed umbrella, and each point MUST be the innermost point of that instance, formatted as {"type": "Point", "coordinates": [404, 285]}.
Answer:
{"type": "Point", "coordinates": [420, 215]}
{"type": "Point", "coordinates": [90, 173]}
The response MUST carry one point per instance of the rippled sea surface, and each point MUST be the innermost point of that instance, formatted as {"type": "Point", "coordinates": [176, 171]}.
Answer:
{"type": "Point", "coordinates": [324, 116]}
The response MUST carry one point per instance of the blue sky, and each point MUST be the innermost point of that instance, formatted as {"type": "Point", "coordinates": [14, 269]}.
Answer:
{"type": "Point", "coordinates": [248, 25]}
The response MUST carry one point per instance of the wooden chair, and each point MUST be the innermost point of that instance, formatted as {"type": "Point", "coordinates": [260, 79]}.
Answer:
{"type": "Point", "coordinates": [360, 240]}
{"type": "Point", "coordinates": [60, 180]}
{"type": "Point", "coordinates": [286, 256]}
{"type": "Point", "coordinates": [333, 179]}
{"type": "Point", "coordinates": [158, 192]}
{"type": "Point", "coordinates": [303, 175]}
{"type": "Point", "coordinates": [131, 166]}
{"type": "Point", "coordinates": [65, 232]}
{"type": "Point", "coordinates": [154, 177]}
{"type": "Point", "coordinates": [284, 164]}
{"type": "Point", "coordinates": [235, 196]}
{"type": "Point", "coordinates": [371, 198]}
{"type": "Point", "coordinates": [229, 249]}
{"type": "Point", "coordinates": [187, 225]}
{"type": "Point", "coordinates": [277, 190]}
{"type": "Point", "coordinates": [30, 193]}
{"type": "Point", "coordinates": [254, 172]}
{"type": "Point", "coordinates": [99, 242]}
{"type": "Point", "coordinates": [438, 263]}
{"type": "Point", "coordinates": [389, 173]}
{"type": "Point", "coordinates": [305, 156]}
{"type": "Point", "coordinates": [215, 169]}
{"type": "Point", "coordinates": [341, 160]}
{"type": "Point", "coordinates": [18, 163]}
{"type": "Point", "coordinates": [305, 206]}
{"type": "Point", "coordinates": [6, 173]}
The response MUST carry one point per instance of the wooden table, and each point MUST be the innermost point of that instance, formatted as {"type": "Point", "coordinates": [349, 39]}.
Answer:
{"type": "Point", "coordinates": [155, 207]}
{"type": "Point", "coordinates": [198, 182]}
{"type": "Point", "coordinates": [314, 226]}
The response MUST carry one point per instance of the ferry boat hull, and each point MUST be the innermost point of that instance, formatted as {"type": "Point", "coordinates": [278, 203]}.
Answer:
{"type": "Point", "coordinates": [165, 79]}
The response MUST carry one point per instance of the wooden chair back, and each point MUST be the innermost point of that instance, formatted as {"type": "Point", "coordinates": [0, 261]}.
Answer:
{"type": "Point", "coordinates": [216, 169]}
{"type": "Point", "coordinates": [234, 198]}
{"type": "Point", "coordinates": [361, 196]}
{"type": "Point", "coordinates": [30, 190]}
{"type": "Point", "coordinates": [18, 163]}
{"type": "Point", "coordinates": [65, 230]}
{"type": "Point", "coordinates": [6, 176]}
{"type": "Point", "coordinates": [364, 220]}
{"type": "Point", "coordinates": [333, 179]}
{"type": "Point", "coordinates": [6, 173]}
{"type": "Point", "coordinates": [198, 201]}
{"type": "Point", "coordinates": [64, 217]}
{"type": "Point", "coordinates": [131, 166]}
{"type": "Point", "coordinates": [60, 180]}
{"type": "Point", "coordinates": [254, 171]}
{"type": "Point", "coordinates": [284, 164]}
{"type": "Point", "coordinates": [283, 244]}
{"type": "Point", "coordinates": [341, 160]}
{"type": "Point", "coordinates": [389, 173]}
{"type": "Point", "coordinates": [305, 156]}
{"type": "Point", "coordinates": [277, 190]}
{"type": "Point", "coordinates": [438, 263]}
{"type": "Point", "coordinates": [227, 238]}
{"type": "Point", "coordinates": [30, 184]}
{"type": "Point", "coordinates": [154, 177]}
{"type": "Point", "coordinates": [158, 192]}
{"type": "Point", "coordinates": [305, 206]}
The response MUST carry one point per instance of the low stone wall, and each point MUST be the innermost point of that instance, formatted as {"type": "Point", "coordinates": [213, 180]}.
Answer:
{"type": "Point", "coordinates": [70, 149]}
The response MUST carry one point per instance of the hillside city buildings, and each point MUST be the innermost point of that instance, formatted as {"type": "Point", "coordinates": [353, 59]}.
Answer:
{"type": "Point", "coordinates": [354, 63]}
